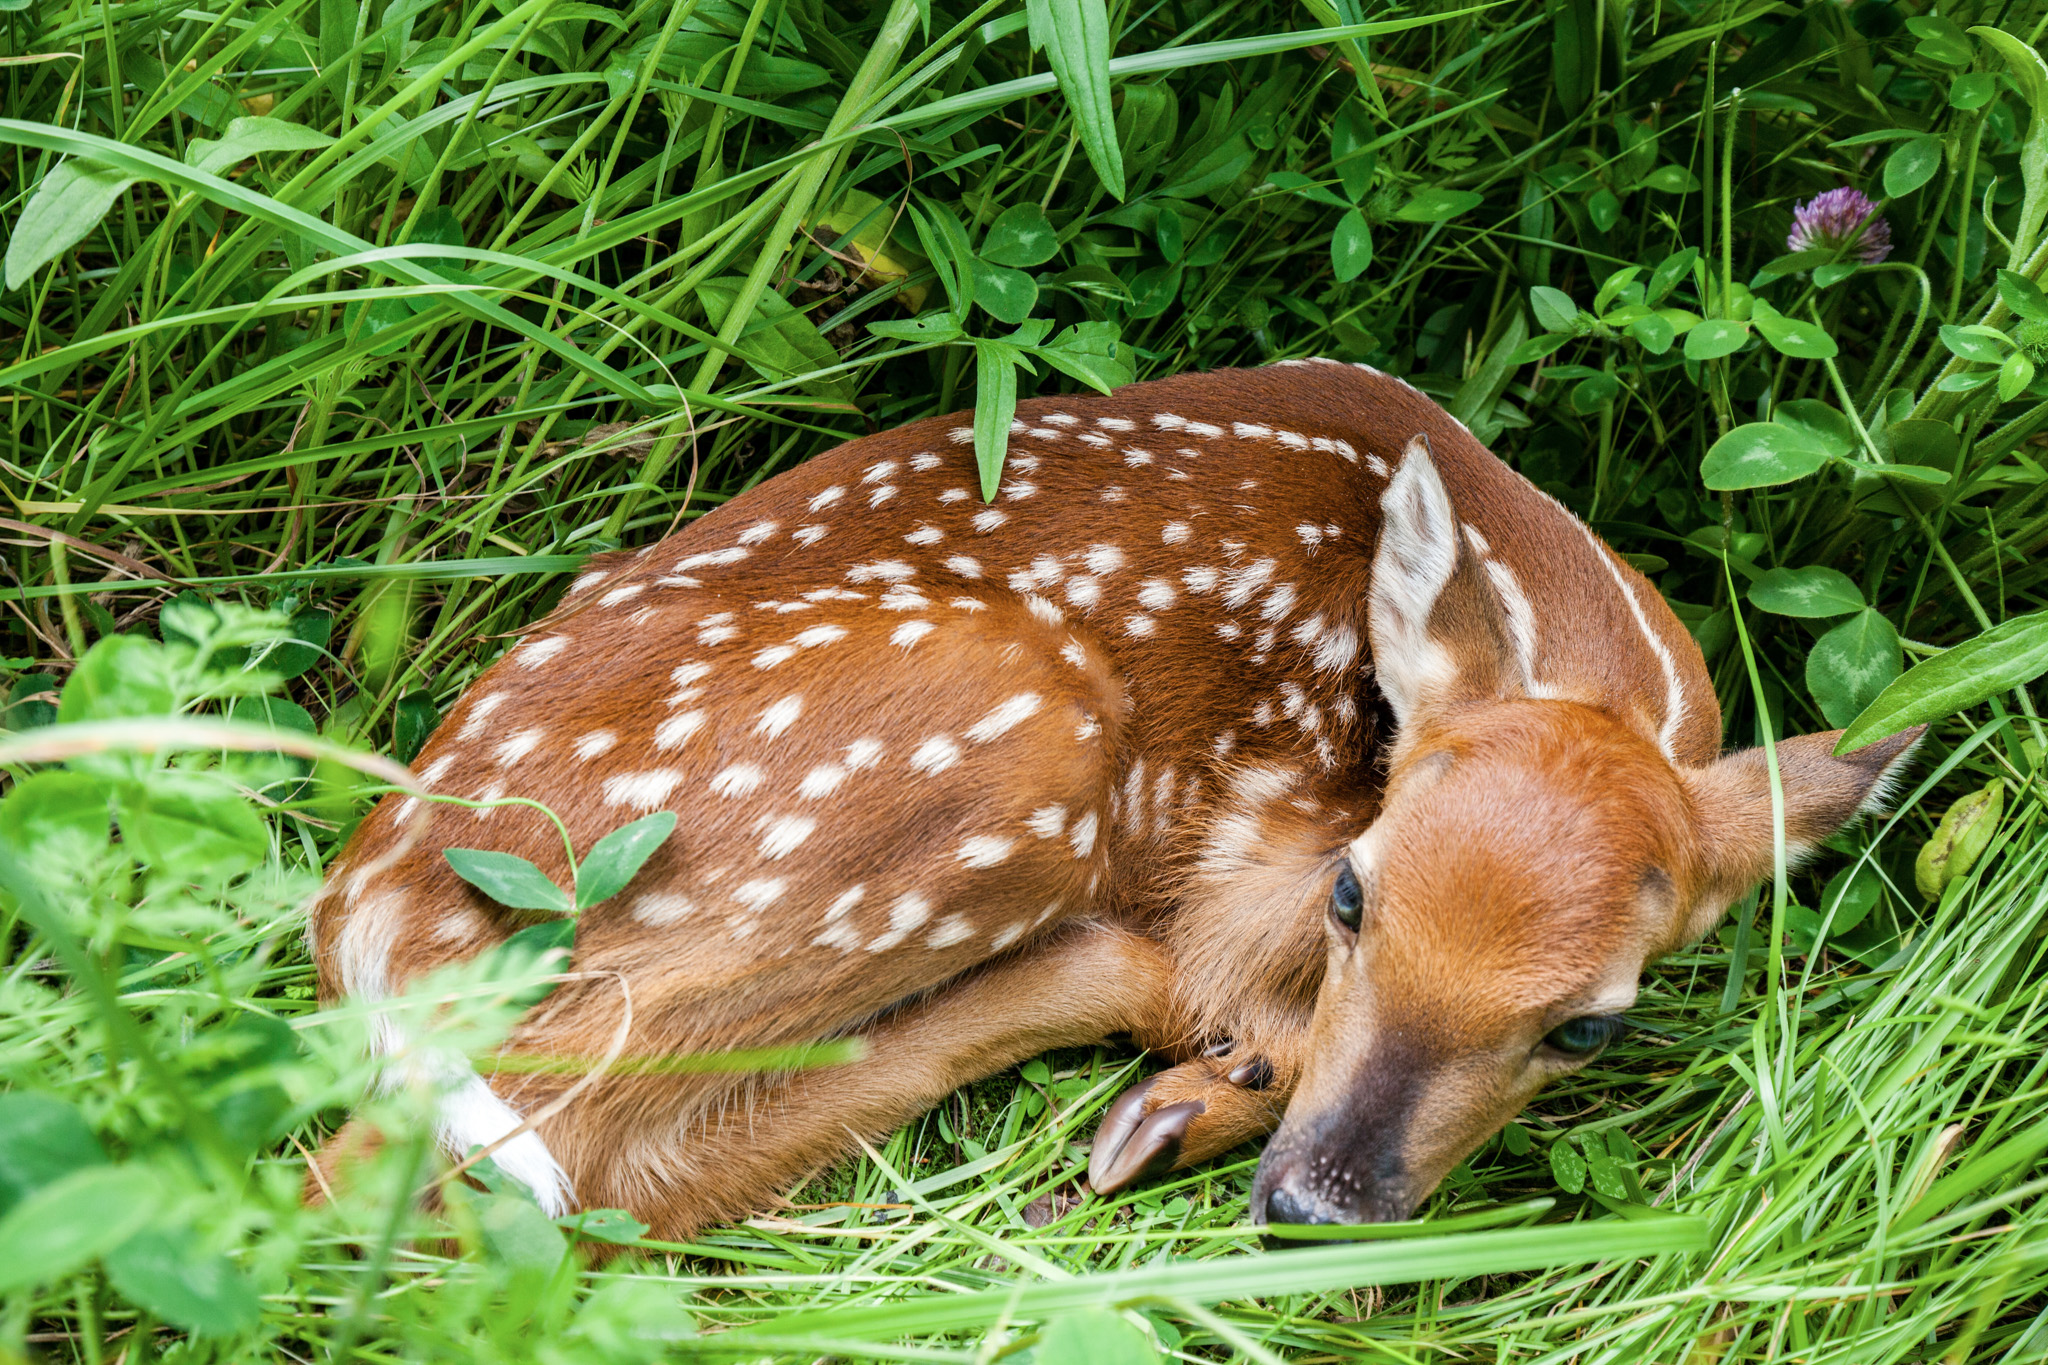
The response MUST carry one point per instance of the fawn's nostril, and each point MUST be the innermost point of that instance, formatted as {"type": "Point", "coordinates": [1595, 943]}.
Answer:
{"type": "Point", "coordinates": [1285, 1206]}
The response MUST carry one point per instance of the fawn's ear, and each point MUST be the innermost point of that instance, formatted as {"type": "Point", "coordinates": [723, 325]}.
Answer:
{"type": "Point", "coordinates": [1434, 621]}
{"type": "Point", "coordinates": [1732, 804]}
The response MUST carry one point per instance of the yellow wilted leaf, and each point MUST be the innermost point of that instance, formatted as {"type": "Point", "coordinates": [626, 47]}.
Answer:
{"type": "Point", "coordinates": [884, 261]}
{"type": "Point", "coordinates": [1964, 833]}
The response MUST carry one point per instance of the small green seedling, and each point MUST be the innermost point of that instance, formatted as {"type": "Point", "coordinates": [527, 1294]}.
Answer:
{"type": "Point", "coordinates": [512, 881]}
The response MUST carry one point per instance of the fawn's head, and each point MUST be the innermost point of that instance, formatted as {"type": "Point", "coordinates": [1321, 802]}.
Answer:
{"type": "Point", "coordinates": [1531, 855]}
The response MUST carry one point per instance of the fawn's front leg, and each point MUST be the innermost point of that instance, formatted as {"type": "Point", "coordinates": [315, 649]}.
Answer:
{"type": "Point", "coordinates": [1085, 983]}
{"type": "Point", "coordinates": [1196, 1111]}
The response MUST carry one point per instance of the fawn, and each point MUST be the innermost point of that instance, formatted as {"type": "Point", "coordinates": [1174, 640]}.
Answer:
{"type": "Point", "coordinates": [1263, 716]}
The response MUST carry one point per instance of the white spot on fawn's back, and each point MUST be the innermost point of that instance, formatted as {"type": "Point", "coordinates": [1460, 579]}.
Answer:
{"type": "Point", "coordinates": [1048, 822]}
{"type": "Point", "coordinates": [641, 791]}
{"type": "Point", "coordinates": [950, 930]}
{"type": "Point", "coordinates": [935, 755]}
{"type": "Point", "coordinates": [737, 781]}
{"type": "Point", "coordinates": [540, 651]}
{"type": "Point", "coordinates": [821, 781]}
{"type": "Point", "coordinates": [672, 733]}
{"type": "Point", "coordinates": [780, 716]}
{"type": "Point", "coordinates": [910, 632]}
{"type": "Point", "coordinates": [886, 570]}
{"type": "Point", "coordinates": [1006, 716]}
{"type": "Point", "coordinates": [1083, 837]}
{"type": "Point", "coordinates": [731, 554]}
{"type": "Point", "coordinates": [909, 911]}
{"type": "Point", "coordinates": [518, 746]}
{"type": "Point", "coordinates": [784, 834]}
{"type": "Point", "coordinates": [596, 742]}
{"type": "Point", "coordinates": [983, 850]}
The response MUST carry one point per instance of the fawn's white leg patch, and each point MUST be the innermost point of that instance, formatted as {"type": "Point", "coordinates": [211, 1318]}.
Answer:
{"type": "Point", "coordinates": [1417, 553]}
{"type": "Point", "coordinates": [472, 1115]}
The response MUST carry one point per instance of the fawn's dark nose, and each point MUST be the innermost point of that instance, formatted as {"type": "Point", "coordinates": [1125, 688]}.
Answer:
{"type": "Point", "coordinates": [1285, 1206]}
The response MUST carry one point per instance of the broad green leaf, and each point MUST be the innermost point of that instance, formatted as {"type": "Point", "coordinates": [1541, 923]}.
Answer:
{"type": "Point", "coordinates": [1911, 165]}
{"type": "Point", "coordinates": [2030, 74]}
{"type": "Point", "coordinates": [1568, 1164]}
{"type": "Point", "coordinates": [2013, 376]}
{"type": "Point", "coordinates": [52, 820]}
{"type": "Point", "coordinates": [507, 879]}
{"type": "Point", "coordinates": [779, 334]}
{"type": "Point", "coordinates": [1654, 332]}
{"type": "Point", "coordinates": [543, 937]}
{"type": "Point", "coordinates": [1091, 352]}
{"type": "Point", "coordinates": [67, 205]}
{"type": "Point", "coordinates": [42, 1140]}
{"type": "Point", "coordinates": [516, 1233]}
{"type": "Point", "coordinates": [995, 404]}
{"type": "Point", "coordinates": [1714, 338]}
{"type": "Point", "coordinates": [1972, 90]}
{"type": "Point", "coordinates": [1959, 840]}
{"type": "Point", "coordinates": [1850, 896]}
{"type": "Point", "coordinates": [1554, 309]}
{"type": "Point", "coordinates": [1761, 455]}
{"type": "Point", "coordinates": [614, 859]}
{"type": "Point", "coordinates": [1430, 204]}
{"type": "Point", "coordinates": [1021, 236]}
{"type": "Point", "coordinates": [1095, 1336]}
{"type": "Point", "coordinates": [192, 826]}
{"type": "Point", "coordinates": [1824, 422]}
{"type": "Point", "coordinates": [1538, 346]}
{"type": "Point", "coordinates": [66, 1223]}
{"type": "Point", "coordinates": [413, 721]}
{"type": "Point", "coordinates": [2023, 296]}
{"type": "Point", "coordinates": [1604, 209]}
{"type": "Point", "coordinates": [1616, 286]}
{"type": "Point", "coordinates": [1350, 246]}
{"type": "Point", "coordinates": [274, 712]}
{"type": "Point", "coordinates": [1007, 295]}
{"type": "Point", "coordinates": [26, 707]}
{"type": "Point", "coordinates": [1813, 592]}
{"type": "Point", "coordinates": [1851, 664]}
{"type": "Point", "coordinates": [199, 1291]}
{"type": "Point", "coordinates": [1669, 272]}
{"type": "Point", "coordinates": [1671, 179]}
{"type": "Point", "coordinates": [615, 1226]}
{"type": "Point", "coordinates": [1306, 187]}
{"type": "Point", "coordinates": [1940, 40]}
{"type": "Point", "coordinates": [1799, 339]}
{"type": "Point", "coordinates": [2007, 655]}
{"type": "Point", "coordinates": [1170, 233]}
{"type": "Point", "coordinates": [120, 677]}
{"type": "Point", "coordinates": [310, 631]}
{"type": "Point", "coordinates": [1985, 345]}
{"type": "Point", "coordinates": [1154, 289]}
{"type": "Point", "coordinates": [247, 137]}
{"type": "Point", "coordinates": [1076, 37]}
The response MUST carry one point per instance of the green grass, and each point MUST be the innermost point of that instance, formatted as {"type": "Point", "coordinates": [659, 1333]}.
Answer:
{"type": "Point", "coordinates": [496, 286]}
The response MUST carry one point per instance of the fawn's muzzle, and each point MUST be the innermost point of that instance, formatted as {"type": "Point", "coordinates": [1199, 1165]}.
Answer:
{"type": "Point", "coordinates": [1319, 1182]}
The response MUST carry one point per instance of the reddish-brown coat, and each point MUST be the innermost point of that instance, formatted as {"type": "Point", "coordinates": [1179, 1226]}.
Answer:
{"type": "Point", "coordinates": [1093, 777]}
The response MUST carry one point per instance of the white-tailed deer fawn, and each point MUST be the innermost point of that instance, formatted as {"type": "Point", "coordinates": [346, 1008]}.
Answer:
{"type": "Point", "coordinates": [1263, 715]}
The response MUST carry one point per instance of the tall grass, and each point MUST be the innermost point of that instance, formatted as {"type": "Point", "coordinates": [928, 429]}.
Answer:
{"type": "Point", "coordinates": [367, 324]}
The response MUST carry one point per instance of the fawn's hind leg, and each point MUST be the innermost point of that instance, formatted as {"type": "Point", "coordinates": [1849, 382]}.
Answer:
{"type": "Point", "coordinates": [1084, 983]}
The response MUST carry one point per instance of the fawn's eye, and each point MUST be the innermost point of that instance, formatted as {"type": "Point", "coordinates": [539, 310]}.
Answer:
{"type": "Point", "coordinates": [1347, 898]}
{"type": "Point", "coordinates": [1585, 1036]}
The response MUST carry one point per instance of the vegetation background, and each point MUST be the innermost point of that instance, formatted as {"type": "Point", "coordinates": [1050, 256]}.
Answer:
{"type": "Point", "coordinates": [334, 336]}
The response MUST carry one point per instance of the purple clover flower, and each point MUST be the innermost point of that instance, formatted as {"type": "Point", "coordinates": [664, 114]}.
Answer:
{"type": "Point", "coordinates": [1841, 218]}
